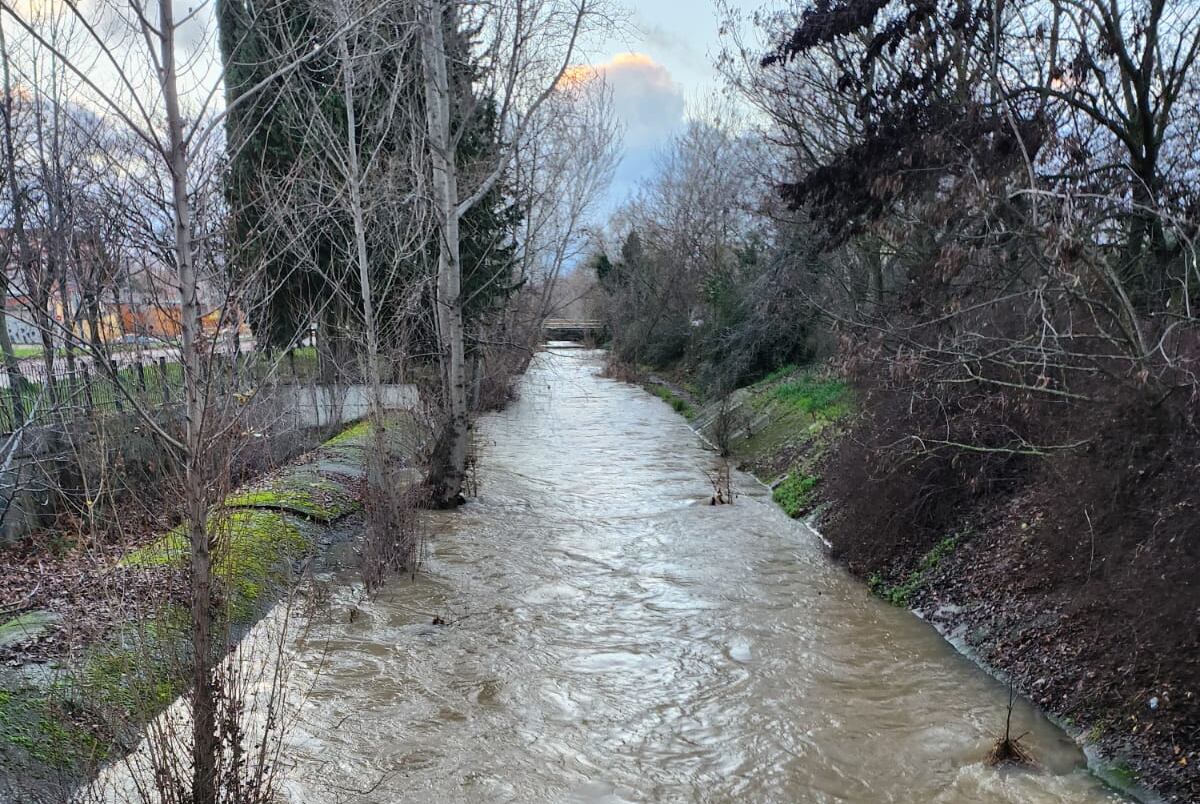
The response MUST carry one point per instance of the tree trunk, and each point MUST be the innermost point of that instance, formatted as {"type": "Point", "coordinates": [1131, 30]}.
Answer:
{"type": "Point", "coordinates": [96, 336]}
{"type": "Point", "coordinates": [204, 739]}
{"type": "Point", "coordinates": [69, 319]}
{"type": "Point", "coordinates": [875, 270]}
{"type": "Point", "coordinates": [354, 179]}
{"type": "Point", "coordinates": [446, 476]}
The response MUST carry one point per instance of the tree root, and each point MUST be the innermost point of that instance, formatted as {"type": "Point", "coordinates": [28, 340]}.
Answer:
{"type": "Point", "coordinates": [1009, 751]}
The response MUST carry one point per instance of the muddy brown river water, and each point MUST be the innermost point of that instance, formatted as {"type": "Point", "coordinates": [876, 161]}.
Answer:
{"type": "Point", "coordinates": [613, 638]}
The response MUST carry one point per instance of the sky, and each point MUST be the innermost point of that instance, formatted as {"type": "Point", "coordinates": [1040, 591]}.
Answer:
{"type": "Point", "coordinates": [660, 63]}
{"type": "Point", "coordinates": [657, 69]}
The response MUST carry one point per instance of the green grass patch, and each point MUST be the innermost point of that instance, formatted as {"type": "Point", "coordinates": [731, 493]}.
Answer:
{"type": "Point", "coordinates": [777, 375]}
{"type": "Point", "coordinates": [27, 351]}
{"type": "Point", "coordinates": [96, 391]}
{"type": "Point", "coordinates": [303, 360]}
{"type": "Point", "coordinates": [681, 405]}
{"type": "Point", "coordinates": [304, 492]}
{"type": "Point", "coordinates": [130, 680]}
{"type": "Point", "coordinates": [1123, 775]}
{"type": "Point", "coordinates": [33, 721]}
{"type": "Point", "coordinates": [356, 435]}
{"type": "Point", "coordinates": [826, 398]}
{"type": "Point", "coordinates": [794, 494]}
{"type": "Point", "coordinates": [139, 675]}
{"type": "Point", "coordinates": [29, 625]}
{"type": "Point", "coordinates": [901, 594]}
{"type": "Point", "coordinates": [155, 384]}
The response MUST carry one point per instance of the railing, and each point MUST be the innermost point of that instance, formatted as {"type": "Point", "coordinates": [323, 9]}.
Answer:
{"type": "Point", "coordinates": [84, 388]}
{"type": "Point", "coordinates": [567, 324]}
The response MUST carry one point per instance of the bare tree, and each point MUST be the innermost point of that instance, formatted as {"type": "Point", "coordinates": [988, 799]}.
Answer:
{"type": "Point", "coordinates": [362, 174]}
{"type": "Point", "coordinates": [561, 174]}
{"type": "Point", "coordinates": [526, 47]}
{"type": "Point", "coordinates": [127, 62]}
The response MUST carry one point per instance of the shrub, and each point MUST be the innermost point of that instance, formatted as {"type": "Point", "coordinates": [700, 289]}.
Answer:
{"type": "Point", "coordinates": [679, 404]}
{"type": "Point", "coordinates": [794, 494]}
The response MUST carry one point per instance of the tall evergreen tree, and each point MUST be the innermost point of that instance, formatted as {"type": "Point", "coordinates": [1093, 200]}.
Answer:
{"type": "Point", "coordinates": [267, 142]}
{"type": "Point", "coordinates": [264, 144]}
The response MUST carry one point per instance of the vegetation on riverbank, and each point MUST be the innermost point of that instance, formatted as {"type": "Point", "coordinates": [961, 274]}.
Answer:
{"type": "Point", "coordinates": [80, 694]}
{"type": "Point", "coordinates": [779, 428]}
{"type": "Point", "coordinates": [993, 261]}
{"type": "Point", "coordinates": [993, 576]}
{"type": "Point", "coordinates": [678, 403]}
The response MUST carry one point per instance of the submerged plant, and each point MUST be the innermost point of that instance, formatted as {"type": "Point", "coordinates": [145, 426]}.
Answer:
{"type": "Point", "coordinates": [721, 479]}
{"type": "Point", "coordinates": [1008, 749]}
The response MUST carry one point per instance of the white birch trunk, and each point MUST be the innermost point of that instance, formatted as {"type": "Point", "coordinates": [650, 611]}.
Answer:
{"type": "Point", "coordinates": [354, 182]}
{"type": "Point", "coordinates": [449, 276]}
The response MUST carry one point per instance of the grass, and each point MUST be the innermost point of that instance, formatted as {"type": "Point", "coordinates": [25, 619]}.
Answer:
{"type": "Point", "coordinates": [901, 594]}
{"type": "Point", "coordinates": [136, 674]}
{"type": "Point", "coordinates": [826, 398]}
{"type": "Point", "coordinates": [304, 493]}
{"type": "Point", "coordinates": [796, 411]}
{"type": "Point", "coordinates": [26, 351]}
{"type": "Point", "coordinates": [1123, 775]}
{"type": "Point", "coordinates": [31, 623]}
{"type": "Point", "coordinates": [253, 536]}
{"type": "Point", "coordinates": [795, 408]}
{"type": "Point", "coordinates": [777, 375]}
{"type": "Point", "coordinates": [352, 436]}
{"type": "Point", "coordinates": [98, 391]}
{"type": "Point", "coordinates": [32, 721]}
{"type": "Point", "coordinates": [133, 676]}
{"type": "Point", "coordinates": [156, 384]}
{"type": "Point", "coordinates": [402, 436]}
{"type": "Point", "coordinates": [794, 495]}
{"type": "Point", "coordinates": [680, 404]}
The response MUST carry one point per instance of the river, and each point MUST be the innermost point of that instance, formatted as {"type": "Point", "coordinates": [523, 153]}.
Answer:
{"type": "Point", "coordinates": [611, 637]}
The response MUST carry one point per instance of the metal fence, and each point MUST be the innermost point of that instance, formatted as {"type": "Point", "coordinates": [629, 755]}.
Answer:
{"type": "Point", "coordinates": [83, 387]}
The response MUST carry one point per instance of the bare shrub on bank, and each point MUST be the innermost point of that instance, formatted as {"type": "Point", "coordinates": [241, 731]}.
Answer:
{"type": "Point", "coordinates": [395, 532]}
{"type": "Point", "coordinates": [160, 171]}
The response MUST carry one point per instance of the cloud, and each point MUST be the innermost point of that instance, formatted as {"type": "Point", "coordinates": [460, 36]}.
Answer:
{"type": "Point", "coordinates": [650, 105]}
{"type": "Point", "coordinates": [649, 102]}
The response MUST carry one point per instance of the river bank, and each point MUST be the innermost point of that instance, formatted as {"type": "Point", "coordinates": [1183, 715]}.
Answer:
{"type": "Point", "coordinates": [992, 584]}
{"type": "Point", "coordinates": [93, 659]}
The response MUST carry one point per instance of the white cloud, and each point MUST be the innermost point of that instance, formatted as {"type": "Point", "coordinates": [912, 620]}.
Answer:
{"type": "Point", "coordinates": [650, 105]}
{"type": "Point", "coordinates": [647, 99]}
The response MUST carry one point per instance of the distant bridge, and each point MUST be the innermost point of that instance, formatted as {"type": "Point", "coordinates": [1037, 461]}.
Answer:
{"type": "Point", "coordinates": [571, 329]}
